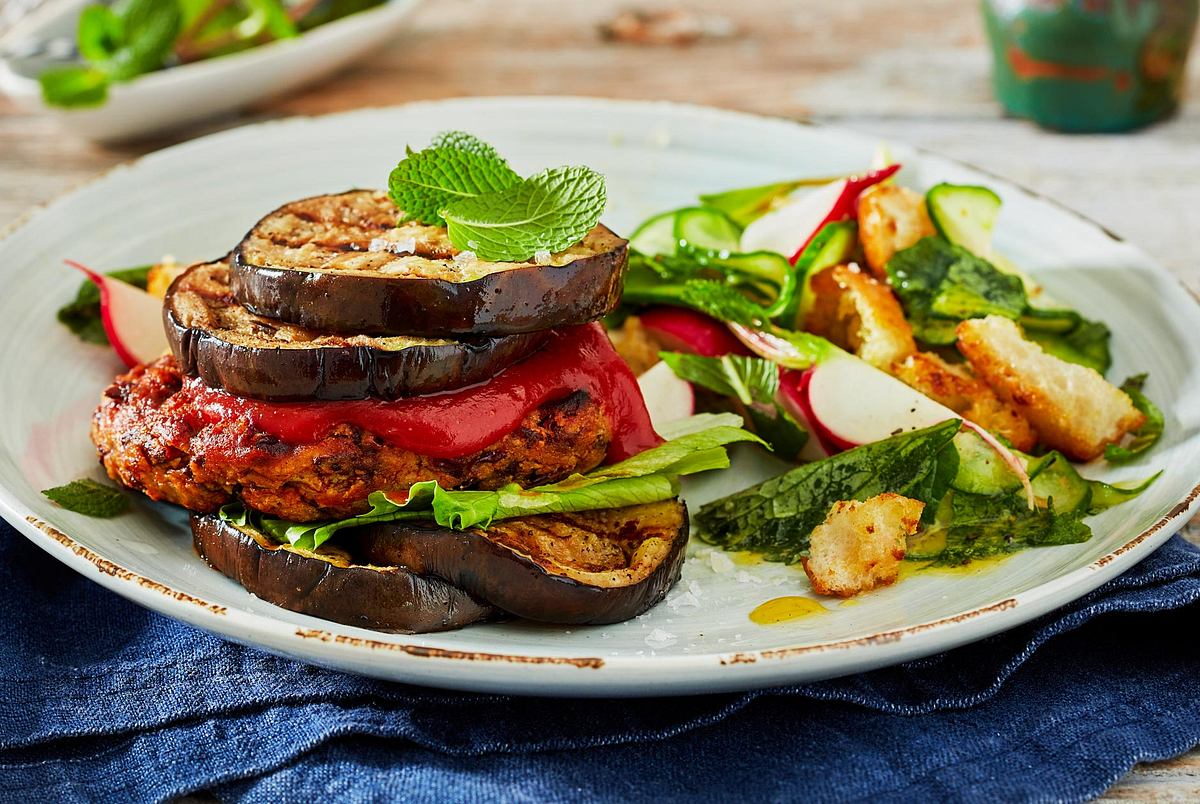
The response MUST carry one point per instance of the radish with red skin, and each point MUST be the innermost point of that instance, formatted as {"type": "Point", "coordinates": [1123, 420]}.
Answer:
{"type": "Point", "coordinates": [680, 330]}
{"type": "Point", "coordinates": [789, 228]}
{"type": "Point", "coordinates": [132, 318]}
{"type": "Point", "coordinates": [668, 397]}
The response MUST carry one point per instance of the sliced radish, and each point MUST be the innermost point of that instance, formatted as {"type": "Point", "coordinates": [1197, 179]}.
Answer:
{"type": "Point", "coordinates": [668, 398]}
{"type": "Point", "coordinates": [679, 330]}
{"type": "Point", "coordinates": [132, 318]}
{"type": "Point", "coordinates": [789, 228]}
{"type": "Point", "coordinates": [849, 402]}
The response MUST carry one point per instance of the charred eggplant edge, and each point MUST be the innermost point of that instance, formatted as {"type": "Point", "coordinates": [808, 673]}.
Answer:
{"type": "Point", "coordinates": [339, 373]}
{"type": "Point", "coordinates": [390, 599]}
{"type": "Point", "coordinates": [510, 302]}
{"type": "Point", "coordinates": [512, 581]}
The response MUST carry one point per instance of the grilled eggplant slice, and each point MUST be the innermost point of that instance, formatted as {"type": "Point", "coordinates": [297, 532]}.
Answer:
{"type": "Point", "coordinates": [330, 585]}
{"type": "Point", "coordinates": [229, 347]}
{"type": "Point", "coordinates": [592, 567]}
{"type": "Point", "coordinates": [340, 263]}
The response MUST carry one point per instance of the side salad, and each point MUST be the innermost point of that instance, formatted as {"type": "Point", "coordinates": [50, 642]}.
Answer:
{"type": "Point", "coordinates": [935, 391]}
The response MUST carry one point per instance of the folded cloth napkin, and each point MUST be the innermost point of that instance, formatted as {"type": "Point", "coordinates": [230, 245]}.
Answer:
{"type": "Point", "coordinates": [106, 701]}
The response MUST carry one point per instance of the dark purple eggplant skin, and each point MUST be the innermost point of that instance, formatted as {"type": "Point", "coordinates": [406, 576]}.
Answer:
{"type": "Point", "coordinates": [516, 582]}
{"type": "Point", "coordinates": [510, 302]}
{"type": "Point", "coordinates": [390, 599]}
{"type": "Point", "coordinates": [336, 373]}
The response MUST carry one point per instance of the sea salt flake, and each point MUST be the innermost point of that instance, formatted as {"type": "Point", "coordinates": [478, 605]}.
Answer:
{"type": "Point", "coordinates": [406, 246]}
{"type": "Point", "coordinates": [464, 257]}
{"type": "Point", "coordinates": [542, 256]}
{"type": "Point", "coordinates": [659, 638]}
{"type": "Point", "coordinates": [720, 563]}
{"type": "Point", "coordinates": [682, 600]}
{"type": "Point", "coordinates": [746, 577]}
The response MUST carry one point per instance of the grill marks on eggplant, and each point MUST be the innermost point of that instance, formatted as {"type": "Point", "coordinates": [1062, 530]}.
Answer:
{"type": "Point", "coordinates": [330, 585]}
{"type": "Point", "coordinates": [229, 347]}
{"type": "Point", "coordinates": [311, 263]}
{"type": "Point", "coordinates": [592, 567]}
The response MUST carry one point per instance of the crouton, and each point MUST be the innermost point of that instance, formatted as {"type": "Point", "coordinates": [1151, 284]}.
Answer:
{"type": "Point", "coordinates": [859, 546]}
{"type": "Point", "coordinates": [161, 275]}
{"type": "Point", "coordinates": [890, 218]}
{"type": "Point", "coordinates": [1074, 409]}
{"type": "Point", "coordinates": [635, 345]}
{"type": "Point", "coordinates": [971, 398]}
{"type": "Point", "coordinates": [859, 314]}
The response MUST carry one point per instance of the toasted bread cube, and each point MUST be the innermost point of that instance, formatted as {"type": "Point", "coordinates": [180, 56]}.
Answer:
{"type": "Point", "coordinates": [890, 218]}
{"type": "Point", "coordinates": [1074, 409]}
{"type": "Point", "coordinates": [859, 314]}
{"type": "Point", "coordinates": [973, 399]}
{"type": "Point", "coordinates": [860, 545]}
{"type": "Point", "coordinates": [161, 275]}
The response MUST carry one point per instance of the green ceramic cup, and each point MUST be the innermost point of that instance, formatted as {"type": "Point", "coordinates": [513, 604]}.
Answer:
{"type": "Point", "coordinates": [1090, 65]}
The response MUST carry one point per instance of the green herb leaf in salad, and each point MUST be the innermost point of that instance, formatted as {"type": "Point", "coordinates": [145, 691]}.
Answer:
{"type": "Point", "coordinates": [694, 445]}
{"type": "Point", "coordinates": [456, 165]}
{"type": "Point", "coordinates": [973, 526]}
{"type": "Point", "coordinates": [777, 516]}
{"type": "Point", "coordinates": [1145, 436]}
{"type": "Point", "coordinates": [753, 383]}
{"type": "Point", "coordinates": [90, 498]}
{"type": "Point", "coordinates": [941, 284]}
{"type": "Point", "coordinates": [82, 314]}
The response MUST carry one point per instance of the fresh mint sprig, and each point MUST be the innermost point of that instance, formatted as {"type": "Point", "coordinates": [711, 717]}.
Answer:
{"type": "Point", "coordinates": [460, 182]}
{"type": "Point", "coordinates": [455, 166]}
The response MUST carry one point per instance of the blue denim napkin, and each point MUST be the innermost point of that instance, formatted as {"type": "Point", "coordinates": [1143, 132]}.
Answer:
{"type": "Point", "coordinates": [103, 700]}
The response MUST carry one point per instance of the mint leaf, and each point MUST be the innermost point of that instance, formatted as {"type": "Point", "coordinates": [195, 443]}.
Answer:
{"type": "Point", "coordinates": [87, 497]}
{"type": "Point", "coordinates": [455, 166]}
{"type": "Point", "coordinates": [1145, 436]}
{"type": "Point", "coordinates": [777, 516]}
{"type": "Point", "coordinates": [549, 211]}
{"type": "Point", "coordinates": [74, 87]}
{"type": "Point", "coordinates": [82, 314]}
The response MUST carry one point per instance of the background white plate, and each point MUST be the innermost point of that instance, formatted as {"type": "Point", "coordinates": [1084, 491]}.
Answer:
{"type": "Point", "coordinates": [170, 99]}
{"type": "Point", "coordinates": [196, 200]}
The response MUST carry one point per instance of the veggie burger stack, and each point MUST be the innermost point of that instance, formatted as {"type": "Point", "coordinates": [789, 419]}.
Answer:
{"type": "Point", "coordinates": [396, 410]}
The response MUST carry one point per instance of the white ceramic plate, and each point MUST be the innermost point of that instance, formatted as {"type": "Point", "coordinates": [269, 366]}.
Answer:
{"type": "Point", "coordinates": [171, 99]}
{"type": "Point", "coordinates": [196, 200]}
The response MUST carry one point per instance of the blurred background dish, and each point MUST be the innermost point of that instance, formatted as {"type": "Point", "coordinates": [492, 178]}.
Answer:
{"type": "Point", "coordinates": [172, 98]}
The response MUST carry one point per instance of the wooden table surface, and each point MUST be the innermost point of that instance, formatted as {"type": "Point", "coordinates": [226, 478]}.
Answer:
{"type": "Point", "coordinates": [913, 71]}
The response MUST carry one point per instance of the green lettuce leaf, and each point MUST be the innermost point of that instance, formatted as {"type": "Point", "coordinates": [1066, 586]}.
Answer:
{"type": "Point", "coordinates": [695, 445]}
{"type": "Point", "coordinates": [777, 516]}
